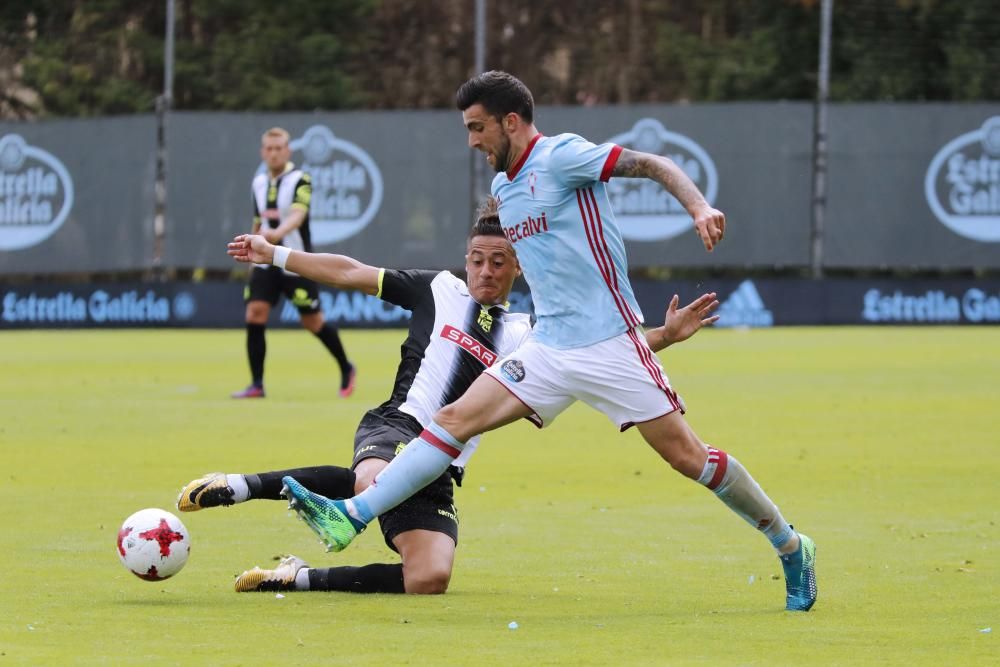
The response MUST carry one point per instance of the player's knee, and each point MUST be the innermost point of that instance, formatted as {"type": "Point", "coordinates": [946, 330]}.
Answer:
{"type": "Point", "coordinates": [257, 312]}
{"type": "Point", "coordinates": [689, 459]}
{"type": "Point", "coordinates": [676, 444]}
{"type": "Point", "coordinates": [427, 562]}
{"type": "Point", "coordinates": [313, 322]}
{"type": "Point", "coordinates": [686, 455]}
{"type": "Point", "coordinates": [686, 467]}
{"type": "Point", "coordinates": [449, 418]}
{"type": "Point", "coordinates": [365, 473]}
{"type": "Point", "coordinates": [360, 484]}
{"type": "Point", "coordinates": [427, 580]}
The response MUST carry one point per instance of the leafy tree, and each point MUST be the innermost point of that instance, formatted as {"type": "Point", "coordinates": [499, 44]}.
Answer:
{"type": "Point", "coordinates": [259, 54]}
{"type": "Point", "coordinates": [82, 58]}
{"type": "Point", "coordinates": [88, 57]}
{"type": "Point", "coordinates": [742, 50]}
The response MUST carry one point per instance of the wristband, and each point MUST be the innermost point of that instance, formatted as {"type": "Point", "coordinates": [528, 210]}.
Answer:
{"type": "Point", "coordinates": [281, 254]}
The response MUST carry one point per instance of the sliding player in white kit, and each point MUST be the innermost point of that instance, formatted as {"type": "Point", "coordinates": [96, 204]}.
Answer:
{"type": "Point", "coordinates": [587, 343]}
{"type": "Point", "coordinates": [457, 329]}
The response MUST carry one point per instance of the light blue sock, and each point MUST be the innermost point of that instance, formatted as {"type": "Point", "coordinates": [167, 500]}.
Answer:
{"type": "Point", "coordinates": [734, 486]}
{"type": "Point", "coordinates": [421, 462]}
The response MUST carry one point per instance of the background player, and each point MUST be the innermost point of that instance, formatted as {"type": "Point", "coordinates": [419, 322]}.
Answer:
{"type": "Point", "coordinates": [281, 198]}
{"type": "Point", "coordinates": [587, 343]}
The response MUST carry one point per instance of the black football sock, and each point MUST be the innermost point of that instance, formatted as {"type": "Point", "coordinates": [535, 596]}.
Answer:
{"type": "Point", "coordinates": [329, 481]}
{"type": "Point", "coordinates": [374, 578]}
{"type": "Point", "coordinates": [331, 339]}
{"type": "Point", "coordinates": [256, 349]}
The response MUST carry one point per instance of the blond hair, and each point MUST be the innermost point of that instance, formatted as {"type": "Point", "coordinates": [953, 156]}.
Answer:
{"type": "Point", "coordinates": [278, 132]}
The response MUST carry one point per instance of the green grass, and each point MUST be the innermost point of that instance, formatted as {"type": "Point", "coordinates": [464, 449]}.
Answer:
{"type": "Point", "coordinates": [881, 443]}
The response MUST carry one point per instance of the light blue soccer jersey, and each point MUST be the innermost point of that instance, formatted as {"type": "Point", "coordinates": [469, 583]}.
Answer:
{"type": "Point", "coordinates": [555, 211]}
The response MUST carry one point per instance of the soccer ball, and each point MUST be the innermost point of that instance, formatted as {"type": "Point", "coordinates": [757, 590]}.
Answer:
{"type": "Point", "coordinates": [153, 544]}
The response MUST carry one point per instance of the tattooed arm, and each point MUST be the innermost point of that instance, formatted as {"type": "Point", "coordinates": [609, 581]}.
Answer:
{"type": "Point", "coordinates": [710, 223]}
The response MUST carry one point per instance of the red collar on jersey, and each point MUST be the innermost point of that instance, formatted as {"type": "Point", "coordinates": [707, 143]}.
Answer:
{"type": "Point", "coordinates": [520, 163]}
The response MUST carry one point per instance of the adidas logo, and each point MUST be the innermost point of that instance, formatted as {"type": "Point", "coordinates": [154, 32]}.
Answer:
{"type": "Point", "coordinates": [744, 308]}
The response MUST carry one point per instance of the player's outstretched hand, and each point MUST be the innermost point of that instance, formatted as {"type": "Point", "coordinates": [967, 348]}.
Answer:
{"type": "Point", "coordinates": [682, 323]}
{"type": "Point", "coordinates": [250, 248]}
{"type": "Point", "coordinates": [710, 223]}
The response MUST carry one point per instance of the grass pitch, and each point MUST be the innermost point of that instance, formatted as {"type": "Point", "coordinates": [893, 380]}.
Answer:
{"type": "Point", "coordinates": [881, 443]}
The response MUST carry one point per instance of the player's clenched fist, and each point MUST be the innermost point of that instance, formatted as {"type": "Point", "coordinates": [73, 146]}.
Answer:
{"type": "Point", "coordinates": [710, 223]}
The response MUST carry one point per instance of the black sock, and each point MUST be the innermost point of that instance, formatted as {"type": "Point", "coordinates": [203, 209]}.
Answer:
{"type": "Point", "coordinates": [374, 578]}
{"type": "Point", "coordinates": [256, 349]}
{"type": "Point", "coordinates": [329, 481]}
{"type": "Point", "coordinates": [331, 339]}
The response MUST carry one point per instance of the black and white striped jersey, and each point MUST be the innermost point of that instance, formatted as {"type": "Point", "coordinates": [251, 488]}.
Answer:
{"type": "Point", "coordinates": [291, 190]}
{"type": "Point", "coordinates": [451, 340]}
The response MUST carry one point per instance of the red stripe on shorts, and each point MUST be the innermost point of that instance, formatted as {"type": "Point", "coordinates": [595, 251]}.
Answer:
{"type": "Point", "coordinates": [653, 368]}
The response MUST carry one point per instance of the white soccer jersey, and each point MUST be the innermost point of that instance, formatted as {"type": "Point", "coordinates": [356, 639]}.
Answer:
{"type": "Point", "coordinates": [555, 210]}
{"type": "Point", "coordinates": [291, 189]}
{"type": "Point", "coordinates": [452, 340]}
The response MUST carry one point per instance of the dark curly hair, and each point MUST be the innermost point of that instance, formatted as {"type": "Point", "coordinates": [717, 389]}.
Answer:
{"type": "Point", "coordinates": [487, 220]}
{"type": "Point", "coordinates": [500, 93]}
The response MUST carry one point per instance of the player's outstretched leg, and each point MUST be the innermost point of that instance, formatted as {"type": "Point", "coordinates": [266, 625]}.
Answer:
{"type": "Point", "coordinates": [734, 486]}
{"type": "Point", "coordinates": [219, 489]}
{"type": "Point", "coordinates": [211, 490]}
{"type": "Point", "coordinates": [281, 578]}
{"type": "Point", "coordinates": [329, 519]}
{"type": "Point", "coordinates": [731, 483]}
{"type": "Point", "coordinates": [800, 576]}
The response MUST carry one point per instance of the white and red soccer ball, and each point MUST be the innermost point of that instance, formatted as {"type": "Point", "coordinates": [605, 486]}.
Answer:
{"type": "Point", "coordinates": [153, 544]}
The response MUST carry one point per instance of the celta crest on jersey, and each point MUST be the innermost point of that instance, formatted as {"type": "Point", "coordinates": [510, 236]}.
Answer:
{"type": "Point", "coordinates": [469, 344]}
{"type": "Point", "coordinates": [527, 227]}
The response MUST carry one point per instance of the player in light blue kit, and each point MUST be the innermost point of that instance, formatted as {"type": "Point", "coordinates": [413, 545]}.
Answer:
{"type": "Point", "coordinates": [586, 345]}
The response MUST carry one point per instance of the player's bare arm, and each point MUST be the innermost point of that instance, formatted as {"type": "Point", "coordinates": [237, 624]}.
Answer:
{"type": "Point", "coordinates": [292, 221]}
{"type": "Point", "coordinates": [679, 324]}
{"type": "Point", "coordinates": [710, 223]}
{"type": "Point", "coordinates": [336, 270]}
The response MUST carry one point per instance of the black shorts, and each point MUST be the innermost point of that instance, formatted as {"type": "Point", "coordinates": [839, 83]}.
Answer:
{"type": "Point", "coordinates": [269, 283]}
{"type": "Point", "coordinates": [383, 434]}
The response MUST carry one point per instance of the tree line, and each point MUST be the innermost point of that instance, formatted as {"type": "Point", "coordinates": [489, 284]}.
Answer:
{"type": "Point", "coordinates": [101, 57]}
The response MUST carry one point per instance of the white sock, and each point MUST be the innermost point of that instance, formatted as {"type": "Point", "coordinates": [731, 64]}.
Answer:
{"type": "Point", "coordinates": [238, 483]}
{"type": "Point", "coordinates": [302, 579]}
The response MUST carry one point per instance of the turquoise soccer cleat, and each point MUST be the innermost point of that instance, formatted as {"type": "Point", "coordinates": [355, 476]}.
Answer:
{"type": "Point", "coordinates": [800, 576]}
{"type": "Point", "coordinates": [328, 518]}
